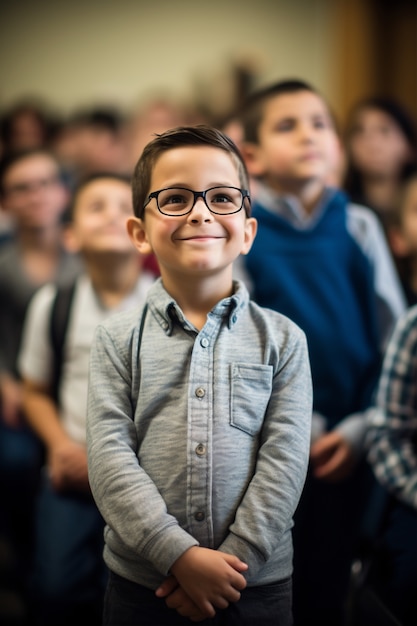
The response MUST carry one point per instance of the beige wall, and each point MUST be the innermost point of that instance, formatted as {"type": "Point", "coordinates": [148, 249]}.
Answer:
{"type": "Point", "coordinates": [83, 51]}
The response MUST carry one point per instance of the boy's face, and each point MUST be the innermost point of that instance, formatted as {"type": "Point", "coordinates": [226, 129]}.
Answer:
{"type": "Point", "coordinates": [33, 193]}
{"type": "Point", "coordinates": [99, 218]}
{"type": "Point", "coordinates": [297, 142]}
{"type": "Point", "coordinates": [200, 243]}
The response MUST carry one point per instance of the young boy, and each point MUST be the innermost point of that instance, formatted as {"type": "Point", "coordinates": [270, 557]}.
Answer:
{"type": "Point", "coordinates": [198, 419]}
{"type": "Point", "coordinates": [325, 264]}
{"type": "Point", "coordinates": [69, 573]}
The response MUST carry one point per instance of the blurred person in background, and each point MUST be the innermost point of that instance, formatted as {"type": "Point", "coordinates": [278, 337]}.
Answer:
{"type": "Point", "coordinates": [401, 231]}
{"type": "Point", "coordinates": [33, 195]}
{"type": "Point", "coordinates": [25, 125]}
{"type": "Point", "coordinates": [381, 150]}
{"type": "Point", "coordinates": [69, 574]}
{"type": "Point", "coordinates": [92, 141]}
{"type": "Point", "coordinates": [325, 264]}
{"type": "Point", "coordinates": [155, 116]}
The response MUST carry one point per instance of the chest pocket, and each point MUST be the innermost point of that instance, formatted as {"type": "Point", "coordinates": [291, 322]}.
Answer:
{"type": "Point", "coordinates": [251, 387]}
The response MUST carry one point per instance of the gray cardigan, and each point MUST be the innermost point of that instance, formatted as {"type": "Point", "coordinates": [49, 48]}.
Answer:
{"type": "Point", "coordinates": [198, 438]}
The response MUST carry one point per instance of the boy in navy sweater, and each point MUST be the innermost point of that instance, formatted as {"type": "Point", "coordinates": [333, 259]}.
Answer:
{"type": "Point", "coordinates": [324, 263]}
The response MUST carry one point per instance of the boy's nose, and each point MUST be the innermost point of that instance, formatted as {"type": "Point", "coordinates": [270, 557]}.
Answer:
{"type": "Point", "coordinates": [306, 132]}
{"type": "Point", "coordinates": [200, 211]}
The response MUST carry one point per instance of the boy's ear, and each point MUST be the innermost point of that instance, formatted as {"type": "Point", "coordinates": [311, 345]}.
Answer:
{"type": "Point", "coordinates": [137, 233]}
{"type": "Point", "coordinates": [251, 153]}
{"type": "Point", "coordinates": [251, 226]}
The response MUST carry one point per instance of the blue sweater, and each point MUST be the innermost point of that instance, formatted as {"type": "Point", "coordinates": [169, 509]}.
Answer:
{"type": "Point", "coordinates": [322, 279]}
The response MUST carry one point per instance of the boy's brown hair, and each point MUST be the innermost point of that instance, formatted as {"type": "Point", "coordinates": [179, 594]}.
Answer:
{"type": "Point", "coordinates": [10, 159]}
{"type": "Point", "coordinates": [182, 136]}
{"type": "Point", "coordinates": [84, 182]}
{"type": "Point", "coordinates": [252, 111]}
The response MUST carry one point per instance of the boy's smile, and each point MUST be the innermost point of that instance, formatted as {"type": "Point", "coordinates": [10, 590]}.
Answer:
{"type": "Point", "coordinates": [200, 243]}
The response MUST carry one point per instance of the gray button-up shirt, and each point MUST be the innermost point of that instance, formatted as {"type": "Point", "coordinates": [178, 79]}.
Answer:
{"type": "Point", "coordinates": [198, 438]}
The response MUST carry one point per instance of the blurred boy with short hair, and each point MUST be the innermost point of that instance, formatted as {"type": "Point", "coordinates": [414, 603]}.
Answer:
{"type": "Point", "coordinates": [69, 573]}
{"type": "Point", "coordinates": [325, 264]}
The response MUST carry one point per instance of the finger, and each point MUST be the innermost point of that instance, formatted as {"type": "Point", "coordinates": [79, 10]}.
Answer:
{"type": "Point", "coordinates": [220, 602]}
{"type": "Point", "coordinates": [174, 600]}
{"type": "Point", "coordinates": [231, 595]}
{"type": "Point", "coordinates": [239, 582]}
{"type": "Point", "coordinates": [185, 606]}
{"type": "Point", "coordinates": [236, 580]}
{"type": "Point", "coordinates": [237, 564]}
{"type": "Point", "coordinates": [167, 587]}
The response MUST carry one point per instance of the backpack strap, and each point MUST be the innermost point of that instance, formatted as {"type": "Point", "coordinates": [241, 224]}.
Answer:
{"type": "Point", "coordinates": [59, 318]}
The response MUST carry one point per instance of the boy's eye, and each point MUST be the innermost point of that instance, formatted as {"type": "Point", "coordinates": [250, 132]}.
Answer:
{"type": "Point", "coordinates": [285, 125]}
{"type": "Point", "coordinates": [320, 122]}
{"type": "Point", "coordinates": [220, 198]}
{"type": "Point", "coordinates": [172, 198]}
{"type": "Point", "coordinates": [96, 206]}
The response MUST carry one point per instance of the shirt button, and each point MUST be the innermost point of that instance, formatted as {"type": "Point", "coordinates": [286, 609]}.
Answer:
{"type": "Point", "coordinates": [200, 449]}
{"type": "Point", "coordinates": [199, 392]}
{"type": "Point", "coordinates": [205, 342]}
{"type": "Point", "coordinates": [199, 516]}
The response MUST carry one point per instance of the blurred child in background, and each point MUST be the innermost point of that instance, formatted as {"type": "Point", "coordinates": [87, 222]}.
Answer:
{"type": "Point", "coordinates": [325, 264]}
{"type": "Point", "coordinates": [381, 147]}
{"type": "Point", "coordinates": [69, 572]}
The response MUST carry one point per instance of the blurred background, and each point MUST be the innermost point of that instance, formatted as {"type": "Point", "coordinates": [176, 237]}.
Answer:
{"type": "Point", "coordinates": [93, 80]}
{"type": "Point", "coordinates": [203, 55]}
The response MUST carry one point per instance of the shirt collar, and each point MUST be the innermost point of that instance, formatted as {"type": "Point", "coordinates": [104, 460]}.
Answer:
{"type": "Point", "coordinates": [168, 313]}
{"type": "Point", "coordinates": [290, 208]}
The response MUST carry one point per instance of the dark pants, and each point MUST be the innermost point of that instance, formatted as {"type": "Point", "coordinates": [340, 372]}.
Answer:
{"type": "Point", "coordinates": [129, 604]}
{"type": "Point", "coordinates": [397, 567]}
{"type": "Point", "coordinates": [21, 455]}
{"type": "Point", "coordinates": [70, 576]}
{"type": "Point", "coordinates": [326, 531]}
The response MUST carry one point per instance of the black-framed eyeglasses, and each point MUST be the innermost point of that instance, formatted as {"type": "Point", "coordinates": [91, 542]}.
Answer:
{"type": "Point", "coordinates": [177, 201]}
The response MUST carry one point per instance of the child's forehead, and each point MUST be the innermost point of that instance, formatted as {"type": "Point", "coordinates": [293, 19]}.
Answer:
{"type": "Point", "coordinates": [102, 186]}
{"type": "Point", "coordinates": [32, 164]}
{"type": "Point", "coordinates": [190, 159]}
{"type": "Point", "coordinates": [295, 103]}
{"type": "Point", "coordinates": [374, 115]}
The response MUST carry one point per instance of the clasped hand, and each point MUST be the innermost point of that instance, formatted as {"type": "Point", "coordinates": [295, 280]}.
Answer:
{"type": "Point", "coordinates": [202, 581]}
